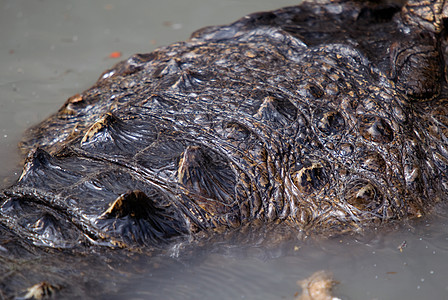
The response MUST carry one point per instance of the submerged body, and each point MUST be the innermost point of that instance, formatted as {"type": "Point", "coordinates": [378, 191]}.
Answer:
{"type": "Point", "coordinates": [326, 117]}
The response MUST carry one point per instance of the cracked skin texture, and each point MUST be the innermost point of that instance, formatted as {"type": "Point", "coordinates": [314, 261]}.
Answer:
{"type": "Point", "coordinates": [327, 117]}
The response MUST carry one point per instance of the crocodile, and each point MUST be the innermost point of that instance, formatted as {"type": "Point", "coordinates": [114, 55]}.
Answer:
{"type": "Point", "coordinates": [327, 117]}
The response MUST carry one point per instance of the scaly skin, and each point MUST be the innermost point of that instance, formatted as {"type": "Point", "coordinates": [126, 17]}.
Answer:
{"type": "Point", "coordinates": [327, 117]}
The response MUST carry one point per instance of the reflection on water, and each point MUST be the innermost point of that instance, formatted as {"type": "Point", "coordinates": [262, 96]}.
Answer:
{"type": "Point", "coordinates": [379, 267]}
{"type": "Point", "coordinates": [406, 262]}
{"type": "Point", "coordinates": [54, 49]}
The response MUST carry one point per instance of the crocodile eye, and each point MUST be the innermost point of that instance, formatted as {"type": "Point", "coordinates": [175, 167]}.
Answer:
{"type": "Point", "coordinates": [375, 129]}
{"type": "Point", "coordinates": [329, 122]}
{"type": "Point", "coordinates": [311, 177]}
{"type": "Point", "coordinates": [363, 195]}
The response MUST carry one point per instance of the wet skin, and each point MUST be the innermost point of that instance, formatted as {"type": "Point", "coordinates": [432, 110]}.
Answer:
{"type": "Point", "coordinates": [327, 118]}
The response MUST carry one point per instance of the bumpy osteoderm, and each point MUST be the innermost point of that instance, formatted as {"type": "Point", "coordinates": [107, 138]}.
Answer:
{"type": "Point", "coordinates": [326, 117]}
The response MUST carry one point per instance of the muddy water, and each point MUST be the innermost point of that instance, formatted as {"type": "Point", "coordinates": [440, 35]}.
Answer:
{"type": "Point", "coordinates": [371, 267]}
{"type": "Point", "coordinates": [52, 49]}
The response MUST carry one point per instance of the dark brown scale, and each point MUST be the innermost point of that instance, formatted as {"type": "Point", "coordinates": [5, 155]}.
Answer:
{"type": "Point", "coordinates": [375, 129]}
{"type": "Point", "coordinates": [311, 177]}
{"type": "Point", "coordinates": [329, 122]}
{"type": "Point", "coordinates": [315, 91]}
{"type": "Point", "coordinates": [364, 196]}
{"type": "Point", "coordinates": [372, 161]}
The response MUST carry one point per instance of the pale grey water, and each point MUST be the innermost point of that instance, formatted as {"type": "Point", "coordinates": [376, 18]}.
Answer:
{"type": "Point", "coordinates": [52, 49]}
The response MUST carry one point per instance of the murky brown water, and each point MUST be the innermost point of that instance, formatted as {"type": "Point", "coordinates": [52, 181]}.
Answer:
{"type": "Point", "coordinates": [52, 49]}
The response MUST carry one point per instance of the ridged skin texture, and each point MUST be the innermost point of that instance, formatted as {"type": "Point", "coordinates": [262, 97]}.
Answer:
{"type": "Point", "coordinates": [327, 117]}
